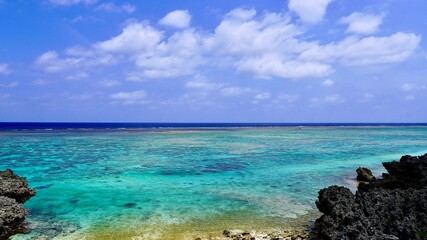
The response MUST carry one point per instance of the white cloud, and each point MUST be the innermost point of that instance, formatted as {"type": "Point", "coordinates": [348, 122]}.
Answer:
{"type": "Point", "coordinates": [263, 96]}
{"type": "Point", "coordinates": [136, 97]}
{"type": "Point", "coordinates": [328, 83]}
{"type": "Point", "coordinates": [407, 87]}
{"type": "Point", "coordinates": [134, 38]}
{"type": "Point", "coordinates": [180, 55]}
{"type": "Point", "coordinates": [177, 19]}
{"type": "Point", "coordinates": [4, 69]}
{"type": "Point", "coordinates": [80, 97]}
{"type": "Point", "coordinates": [50, 60]}
{"type": "Point", "coordinates": [71, 2]}
{"type": "Point", "coordinates": [241, 33]}
{"type": "Point", "coordinates": [310, 11]}
{"type": "Point", "coordinates": [362, 23]}
{"type": "Point", "coordinates": [202, 83]}
{"type": "Point", "coordinates": [77, 76]}
{"type": "Point", "coordinates": [269, 66]}
{"type": "Point", "coordinates": [109, 83]}
{"type": "Point", "coordinates": [264, 45]}
{"type": "Point", "coordinates": [154, 55]}
{"type": "Point", "coordinates": [234, 91]}
{"type": "Point", "coordinates": [366, 51]}
{"type": "Point", "coordinates": [113, 8]}
{"type": "Point", "coordinates": [288, 97]}
{"type": "Point", "coordinates": [334, 98]}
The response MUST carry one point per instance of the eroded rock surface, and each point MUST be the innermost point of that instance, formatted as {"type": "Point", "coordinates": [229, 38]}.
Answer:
{"type": "Point", "coordinates": [364, 174]}
{"type": "Point", "coordinates": [14, 191]}
{"type": "Point", "coordinates": [15, 187]}
{"type": "Point", "coordinates": [394, 207]}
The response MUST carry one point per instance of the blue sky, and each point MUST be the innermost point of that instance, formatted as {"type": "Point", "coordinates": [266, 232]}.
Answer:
{"type": "Point", "coordinates": [213, 61]}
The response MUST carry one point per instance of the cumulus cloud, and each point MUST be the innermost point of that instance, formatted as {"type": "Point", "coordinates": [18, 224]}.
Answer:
{"type": "Point", "coordinates": [310, 11]}
{"type": "Point", "coordinates": [407, 87]}
{"type": "Point", "coordinates": [262, 96]}
{"type": "Point", "coordinates": [71, 2]}
{"type": "Point", "coordinates": [113, 8]}
{"type": "Point", "coordinates": [269, 66]}
{"type": "Point", "coordinates": [180, 55]}
{"type": "Point", "coordinates": [136, 37]}
{"type": "Point", "coordinates": [366, 51]}
{"type": "Point", "coordinates": [153, 54]}
{"type": "Point", "coordinates": [201, 83]}
{"type": "Point", "coordinates": [52, 62]}
{"type": "Point", "coordinates": [328, 83]}
{"type": "Point", "coordinates": [334, 98]}
{"type": "Point", "coordinates": [109, 83]}
{"type": "Point", "coordinates": [177, 19]}
{"type": "Point", "coordinates": [135, 97]}
{"type": "Point", "coordinates": [80, 97]}
{"type": "Point", "coordinates": [4, 69]}
{"type": "Point", "coordinates": [263, 45]}
{"type": "Point", "coordinates": [362, 23]}
{"type": "Point", "coordinates": [288, 97]}
{"type": "Point", "coordinates": [234, 91]}
{"type": "Point", "coordinates": [77, 76]}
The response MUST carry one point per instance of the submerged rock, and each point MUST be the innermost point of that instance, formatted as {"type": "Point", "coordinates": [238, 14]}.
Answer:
{"type": "Point", "coordinates": [394, 207]}
{"type": "Point", "coordinates": [14, 191]}
{"type": "Point", "coordinates": [364, 174]}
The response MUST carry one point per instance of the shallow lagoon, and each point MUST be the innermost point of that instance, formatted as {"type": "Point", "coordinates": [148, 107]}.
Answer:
{"type": "Point", "coordinates": [178, 184]}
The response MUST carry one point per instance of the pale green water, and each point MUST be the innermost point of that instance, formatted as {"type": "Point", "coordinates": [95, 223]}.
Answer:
{"type": "Point", "coordinates": [144, 184]}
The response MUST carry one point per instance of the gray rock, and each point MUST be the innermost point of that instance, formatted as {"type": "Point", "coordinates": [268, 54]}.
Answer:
{"type": "Point", "coordinates": [12, 214]}
{"type": "Point", "coordinates": [15, 187]}
{"type": "Point", "coordinates": [394, 207]}
{"type": "Point", "coordinates": [364, 174]}
{"type": "Point", "coordinates": [14, 191]}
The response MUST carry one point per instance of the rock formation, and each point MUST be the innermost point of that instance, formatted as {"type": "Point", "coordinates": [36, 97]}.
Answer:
{"type": "Point", "coordinates": [14, 191]}
{"type": "Point", "coordinates": [394, 207]}
{"type": "Point", "coordinates": [364, 174]}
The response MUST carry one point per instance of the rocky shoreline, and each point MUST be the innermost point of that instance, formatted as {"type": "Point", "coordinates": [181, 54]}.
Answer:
{"type": "Point", "coordinates": [14, 191]}
{"type": "Point", "coordinates": [394, 207]}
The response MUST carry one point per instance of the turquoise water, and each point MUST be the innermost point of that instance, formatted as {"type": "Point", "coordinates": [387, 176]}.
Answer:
{"type": "Point", "coordinates": [139, 183]}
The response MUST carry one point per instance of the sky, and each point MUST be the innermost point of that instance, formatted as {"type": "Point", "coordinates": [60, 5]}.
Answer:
{"type": "Point", "coordinates": [213, 61]}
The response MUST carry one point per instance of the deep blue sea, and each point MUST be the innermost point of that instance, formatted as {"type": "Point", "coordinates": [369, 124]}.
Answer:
{"type": "Point", "coordinates": [187, 180]}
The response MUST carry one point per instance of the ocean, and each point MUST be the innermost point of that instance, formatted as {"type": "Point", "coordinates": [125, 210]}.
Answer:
{"type": "Point", "coordinates": [187, 180]}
